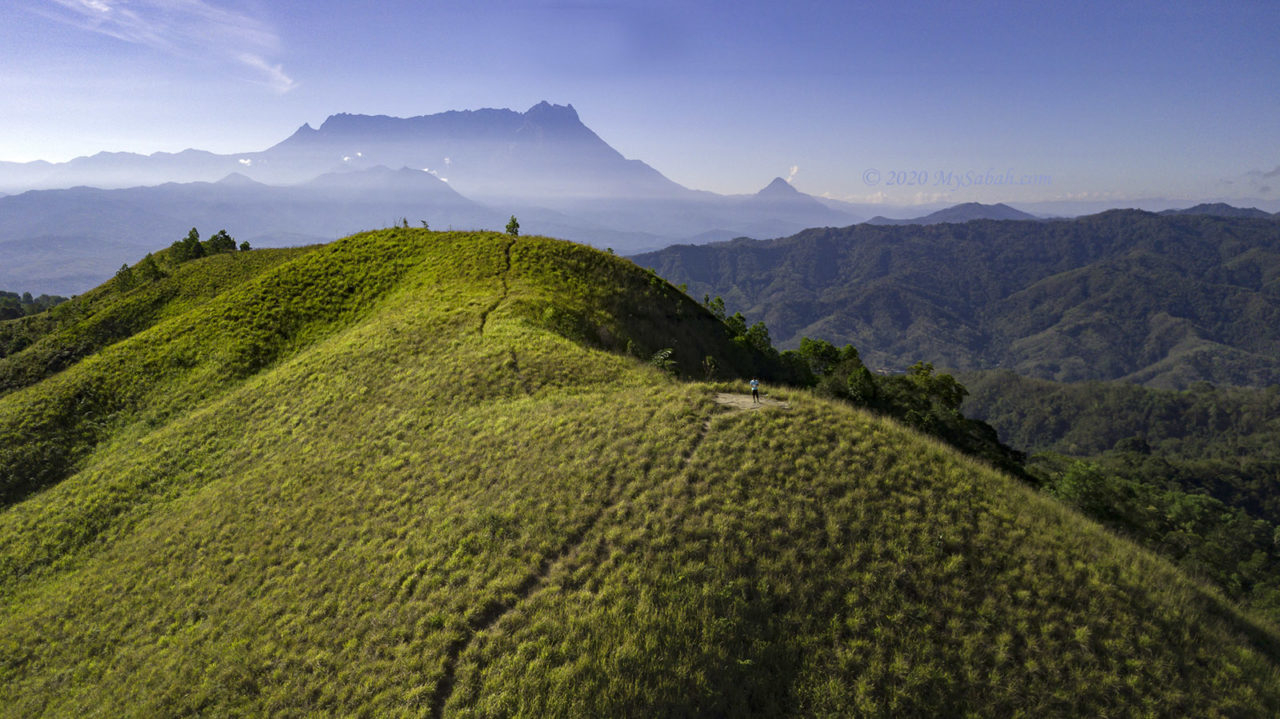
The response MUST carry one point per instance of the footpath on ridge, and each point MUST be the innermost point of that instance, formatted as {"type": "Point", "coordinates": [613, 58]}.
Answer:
{"type": "Point", "coordinates": [743, 402]}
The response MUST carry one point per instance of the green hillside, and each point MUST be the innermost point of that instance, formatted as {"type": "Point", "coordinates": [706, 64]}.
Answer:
{"type": "Point", "coordinates": [43, 344]}
{"type": "Point", "coordinates": [434, 474]}
{"type": "Point", "coordinates": [1192, 475]}
{"type": "Point", "coordinates": [1161, 300]}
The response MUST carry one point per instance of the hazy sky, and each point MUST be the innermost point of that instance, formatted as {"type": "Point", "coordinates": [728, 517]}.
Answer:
{"type": "Point", "coordinates": [861, 101]}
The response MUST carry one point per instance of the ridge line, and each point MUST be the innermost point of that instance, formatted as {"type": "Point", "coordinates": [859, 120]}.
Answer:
{"type": "Point", "coordinates": [506, 289]}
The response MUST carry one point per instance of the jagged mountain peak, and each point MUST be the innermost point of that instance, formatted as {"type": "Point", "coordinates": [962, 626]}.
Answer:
{"type": "Point", "coordinates": [547, 111]}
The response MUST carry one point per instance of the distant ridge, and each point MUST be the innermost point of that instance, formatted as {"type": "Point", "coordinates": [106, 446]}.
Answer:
{"type": "Point", "coordinates": [960, 213]}
{"type": "Point", "coordinates": [1162, 300]}
{"type": "Point", "coordinates": [1222, 209]}
{"type": "Point", "coordinates": [461, 168]}
{"type": "Point", "coordinates": [545, 150]}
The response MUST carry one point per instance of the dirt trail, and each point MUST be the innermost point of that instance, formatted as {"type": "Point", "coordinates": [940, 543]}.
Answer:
{"type": "Point", "coordinates": [743, 402]}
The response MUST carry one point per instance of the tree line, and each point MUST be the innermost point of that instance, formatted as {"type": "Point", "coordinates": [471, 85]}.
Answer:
{"type": "Point", "coordinates": [184, 250]}
{"type": "Point", "coordinates": [921, 398]}
{"type": "Point", "coordinates": [14, 305]}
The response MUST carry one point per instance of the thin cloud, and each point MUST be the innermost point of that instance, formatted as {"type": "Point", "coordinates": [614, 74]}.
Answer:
{"type": "Point", "coordinates": [184, 28]}
{"type": "Point", "coordinates": [1259, 179]}
{"type": "Point", "coordinates": [273, 74]}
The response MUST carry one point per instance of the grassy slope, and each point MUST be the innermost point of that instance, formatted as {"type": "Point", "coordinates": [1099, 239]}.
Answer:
{"type": "Point", "coordinates": [37, 346]}
{"type": "Point", "coordinates": [412, 499]}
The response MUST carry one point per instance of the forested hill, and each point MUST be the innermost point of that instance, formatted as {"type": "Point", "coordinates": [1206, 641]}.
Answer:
{"type": "Point", "coordinates": [1191, 474]}
{"type": "Point", "coordinates": [1125, 294]}
{"type": "Point", "coordinates": [415, 473]}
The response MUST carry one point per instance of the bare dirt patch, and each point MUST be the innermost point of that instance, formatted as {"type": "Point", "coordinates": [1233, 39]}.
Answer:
{"type": "Point", "coordinates": [743, 402]}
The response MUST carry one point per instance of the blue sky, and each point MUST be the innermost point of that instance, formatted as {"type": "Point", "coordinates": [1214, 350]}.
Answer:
{"type": "Point", "coordinates": [891, 102]}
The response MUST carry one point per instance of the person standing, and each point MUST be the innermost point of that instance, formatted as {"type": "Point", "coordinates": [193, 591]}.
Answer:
{"type": "Point", "coordinates": [755, 391]}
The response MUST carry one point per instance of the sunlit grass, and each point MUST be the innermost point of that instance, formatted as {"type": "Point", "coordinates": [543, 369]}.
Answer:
{"type": "Point", "coordinates": [386, 483]}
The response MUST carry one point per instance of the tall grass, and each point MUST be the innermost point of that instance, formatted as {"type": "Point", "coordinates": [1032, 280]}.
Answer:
{"type": "Point", "coordinates": [422, 498]}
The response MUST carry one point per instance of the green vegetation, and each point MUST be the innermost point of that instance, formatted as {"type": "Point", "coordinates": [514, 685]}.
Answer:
{"type": "Point", "coordinates": [191, 248]}
{"type": "Point", "coordinates": [416, 473]}
{"type": "Point", "coordinates": [1165, 301]}
{"type": "Point", "coordinates": [40, 346]}
{"type": "Point", "coordinates": [14, 305]}
{"type": "Point", "coordinates": [920, 398]}
{"type": "Point", "coordinates": [1192, 475]}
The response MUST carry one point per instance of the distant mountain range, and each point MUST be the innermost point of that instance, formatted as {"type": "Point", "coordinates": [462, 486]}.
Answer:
{"type": "Point", "coordinates": [960, 213]}
{"type": "Point", "coordinates": [544, 151]}
{"type": "Point", "coordinates": [462, 169]}
{"type": "Point", "coordinates": [1221, 209]}
{"type": "Point", "coordinates": [1164, 300]}
{"type": "Point", "coordinates": [65, 227]}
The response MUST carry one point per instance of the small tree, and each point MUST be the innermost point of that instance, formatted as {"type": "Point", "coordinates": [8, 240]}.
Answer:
{"type": "Point", "coordinates": [221, 242]}
{"type": "Point", "coordinates": [148, 270]}
{"type": "Point", "coordinates": [244, 246]}
{"type": "Point", "coordinates": [125, 280]}
{"type": "Point", "coordinates": [513, 227]}
{"type": "Point", "coordinates": [716, 306]}
{"type": "Point", "coordinates": [862, 386]}
{"type": "Point", "coordinates": [942, 389]}
{"type": "Point", "coordinates": [821, 355]}
{"type": "Point", "coordinates": [757, 335]}
{"type": "Point", "coordinates": [736, 323]}
{"type": "Point", "coordinates": [187, 249]}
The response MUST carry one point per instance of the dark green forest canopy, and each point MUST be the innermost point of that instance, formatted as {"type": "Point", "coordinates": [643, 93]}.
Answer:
{"type": "Point", "coordinates": [1161, 300]}
{"type": "Point", "coordinates": [1192, 474]}
{"type": "Point", "coordinates": [1088, 418]}
{"type": "Point", "coordinates": [13, 304]}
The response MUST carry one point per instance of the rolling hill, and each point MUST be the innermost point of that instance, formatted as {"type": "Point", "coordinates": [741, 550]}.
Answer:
{"type": "Point", "coordinates": [1222, 209]}
{"type": "Point", "coordinates": [963, 212]}
{"type": "Point", "coordinates": [1160, 300]}
{"type": "Point", "coordinates": [423, 473]}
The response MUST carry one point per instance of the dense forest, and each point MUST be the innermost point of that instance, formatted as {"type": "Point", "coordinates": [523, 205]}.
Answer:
{"type": "Point", "coordinates": [1161, 300]}
{"type": "Point", "coordinates": [1192, 474]}
{"type": "Point", "coordinates": [14, 305]}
